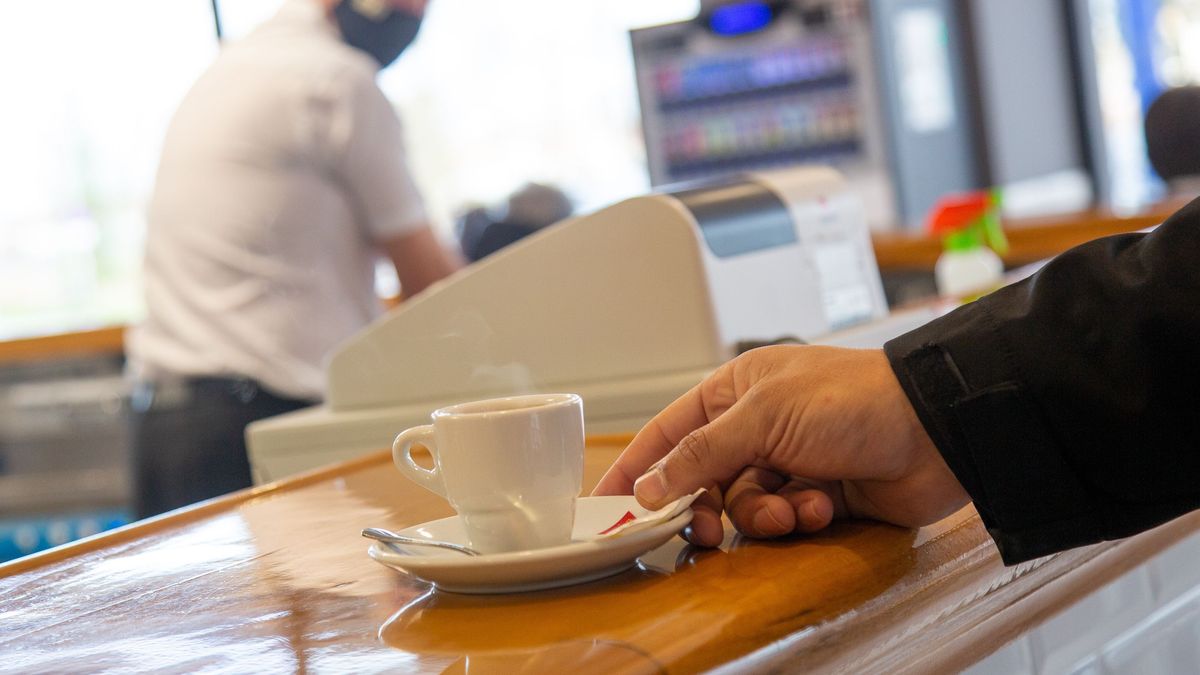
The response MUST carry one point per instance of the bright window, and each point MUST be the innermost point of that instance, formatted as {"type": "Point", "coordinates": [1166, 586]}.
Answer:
{"type": "Point", "coordinates": [496, 94]}
{"type": "Point", "coordinates": [88, 89]}
{"type": "Point", "coordinates": [493, 95]}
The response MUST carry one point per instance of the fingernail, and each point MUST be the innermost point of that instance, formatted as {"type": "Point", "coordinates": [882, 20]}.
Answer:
{"type": "Point", "coordinates": [651, 487]}
{"type": "Point", "coordinates": [766, 523]}
{"type": "Point", "coordinates": [815, 511]}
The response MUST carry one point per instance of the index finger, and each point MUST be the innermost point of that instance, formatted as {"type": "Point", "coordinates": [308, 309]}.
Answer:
{"type": "Point", "coordinates": [660, 435]}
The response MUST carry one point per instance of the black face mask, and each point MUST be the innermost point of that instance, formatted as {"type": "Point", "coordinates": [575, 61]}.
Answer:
{"type": "Point", "coordinates": [383, 36]}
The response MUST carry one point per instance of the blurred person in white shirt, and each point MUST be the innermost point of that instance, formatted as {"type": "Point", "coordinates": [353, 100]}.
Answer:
{"type": "Point", "coordinates": [282, 180]}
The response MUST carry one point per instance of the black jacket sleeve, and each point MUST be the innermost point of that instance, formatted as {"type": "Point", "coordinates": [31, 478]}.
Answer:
{"type": "Point", "coordinates": [1068, 404]}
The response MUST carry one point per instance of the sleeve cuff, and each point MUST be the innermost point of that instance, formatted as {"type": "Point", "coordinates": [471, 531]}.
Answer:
{"type": "Point", "coordinates": [964, 385]}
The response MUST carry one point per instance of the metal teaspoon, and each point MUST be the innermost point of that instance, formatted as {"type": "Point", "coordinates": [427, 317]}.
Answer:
{"type": "Point", "coordinates": [389, 537]}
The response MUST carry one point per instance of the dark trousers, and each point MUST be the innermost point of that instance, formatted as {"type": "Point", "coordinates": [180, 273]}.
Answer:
{"type": "Point", "coordinates": [189, 439]}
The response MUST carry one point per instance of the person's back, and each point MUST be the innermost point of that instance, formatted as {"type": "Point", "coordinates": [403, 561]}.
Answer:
{"type": "Point", "coordinates": [282, 180]}
{"type": "Point", "coordinates": [248, 224]}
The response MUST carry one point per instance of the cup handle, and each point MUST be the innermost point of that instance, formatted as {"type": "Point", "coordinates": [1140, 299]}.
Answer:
{"type": "Point", "coordinates": [430, 479]}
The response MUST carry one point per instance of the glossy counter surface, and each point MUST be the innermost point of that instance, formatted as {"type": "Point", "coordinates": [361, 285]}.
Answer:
{"type": "Point", "coordinates": [277, 579]}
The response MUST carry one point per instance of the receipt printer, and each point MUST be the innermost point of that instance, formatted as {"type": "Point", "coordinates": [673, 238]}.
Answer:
{"type": "Point", "coordinates": [628, 306]}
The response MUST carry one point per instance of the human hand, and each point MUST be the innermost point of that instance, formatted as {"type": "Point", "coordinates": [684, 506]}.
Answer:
{"type": "Point", "coordinates": [788, 438]}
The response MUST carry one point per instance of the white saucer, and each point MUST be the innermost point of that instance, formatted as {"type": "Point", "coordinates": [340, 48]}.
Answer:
{"type": "Point", "coordinates": [583, 560]}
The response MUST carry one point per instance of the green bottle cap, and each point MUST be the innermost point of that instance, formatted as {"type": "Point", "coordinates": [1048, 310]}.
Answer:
{"type": "Point", "coordinates": [963, 240]}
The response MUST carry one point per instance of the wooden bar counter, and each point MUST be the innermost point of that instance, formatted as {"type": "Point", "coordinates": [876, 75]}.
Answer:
{"type": "Point", "coordinates": [277, 579]}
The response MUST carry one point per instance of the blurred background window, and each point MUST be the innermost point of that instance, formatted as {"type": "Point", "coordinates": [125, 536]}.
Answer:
{"type": "Point", "coordinates": [88, 89]}
{"type": "Point", "coordinates": [1138, 49]}
{"type": "Point", "coordinates": [493, 94]}
{"type": "Point", "coordinates": [497, 94]}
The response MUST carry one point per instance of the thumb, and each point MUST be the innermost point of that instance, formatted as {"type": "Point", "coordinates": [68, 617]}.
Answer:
{"type": "Point", "coordinates": [709, 455]}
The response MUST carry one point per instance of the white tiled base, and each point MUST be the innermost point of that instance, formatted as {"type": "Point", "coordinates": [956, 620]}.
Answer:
{"type": "Point", "coordinates": [1146, 621]}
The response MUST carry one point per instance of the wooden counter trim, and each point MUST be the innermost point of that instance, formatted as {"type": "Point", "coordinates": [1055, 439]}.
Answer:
{"type": "Point", "coordinates": [994, 605]}
{"type": "Point", "coordinates": [187, 514]}
{"type": "Point", "coordinates": [108, 341]}
{"type": "Point", "coordinates": [96, 342]}
{"type": "Point", "coordinates": [1076, 574]}
{"type": "Point", "coordinates": [1029, 240]}
{"type": "Point", "coordinates": [195, 512]}
{"type": "Point", "coordinates": [609, 439]}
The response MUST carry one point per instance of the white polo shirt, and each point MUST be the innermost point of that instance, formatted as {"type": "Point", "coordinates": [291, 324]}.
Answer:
{"type": "Point", "coordinates": [281, 170]}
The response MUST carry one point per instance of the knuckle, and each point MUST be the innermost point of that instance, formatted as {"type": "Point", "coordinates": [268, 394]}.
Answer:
{"type": "Point", "coordinates": [693, 448]}
{"type": "Point", "coordinates": [717, 394]}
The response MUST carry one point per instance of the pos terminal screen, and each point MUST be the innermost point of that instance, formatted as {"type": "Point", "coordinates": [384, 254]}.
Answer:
{"type": "Point", "coordinates": [750, 88]}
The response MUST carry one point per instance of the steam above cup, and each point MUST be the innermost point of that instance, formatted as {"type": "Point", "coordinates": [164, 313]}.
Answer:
{"type": "Point", "coordinates": [510, 467]}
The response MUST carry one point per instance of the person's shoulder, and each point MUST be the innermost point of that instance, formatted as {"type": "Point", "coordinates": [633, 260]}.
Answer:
{"type": "Point", "coordinates": [349, 64]}
{"type": "Point", "coordinates": [298, 40]}
{"type": "Point", "coordinates": [322, 64]}
{"type": "Point", "coordinates": [342, 73]}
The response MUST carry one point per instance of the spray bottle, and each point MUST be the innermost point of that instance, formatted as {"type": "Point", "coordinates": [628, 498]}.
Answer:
{"type": "Point", "coordinates": [969, 225]}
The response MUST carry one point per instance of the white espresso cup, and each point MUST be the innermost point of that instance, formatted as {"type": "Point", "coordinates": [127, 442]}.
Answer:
{"type": "Point", "coordinates": [511, 467]}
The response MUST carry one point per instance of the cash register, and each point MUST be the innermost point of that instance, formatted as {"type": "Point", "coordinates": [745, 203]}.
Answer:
{"type": "Point", "coordinates": [628, 306]}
